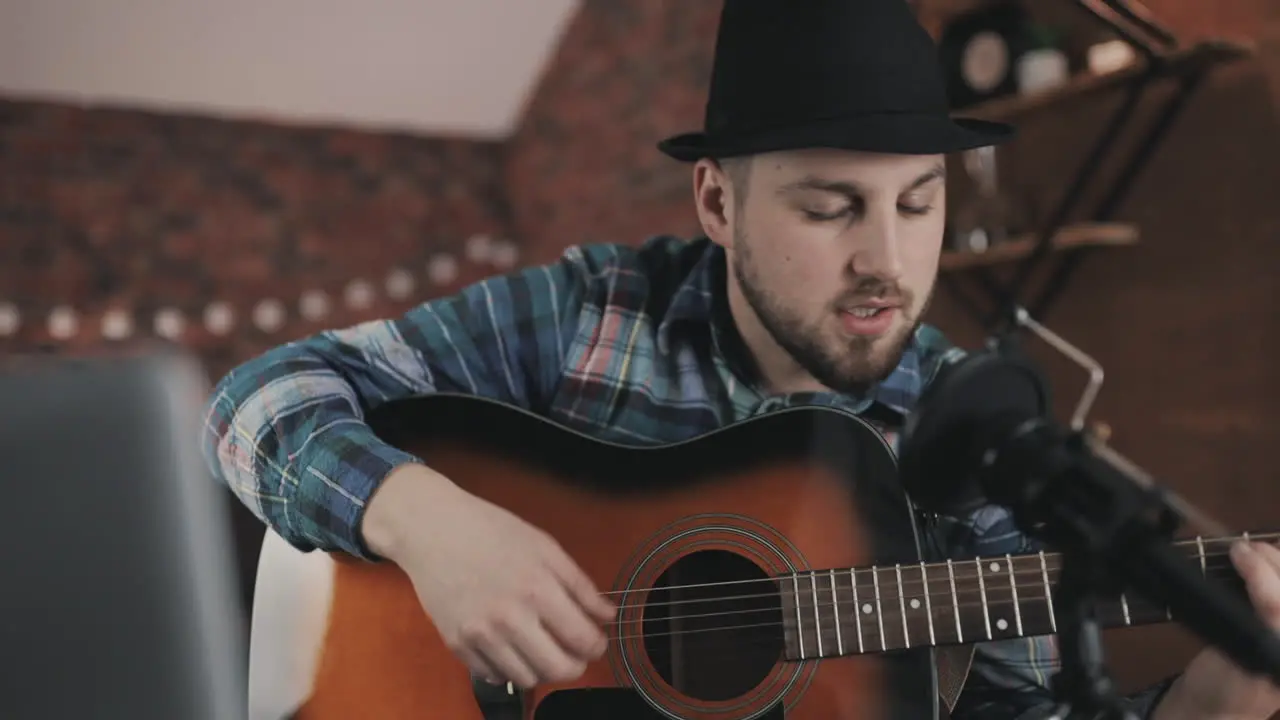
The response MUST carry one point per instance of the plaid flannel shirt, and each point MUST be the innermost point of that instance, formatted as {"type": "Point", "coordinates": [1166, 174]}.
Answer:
{"type": "Point", "coordinates": [629, 344]}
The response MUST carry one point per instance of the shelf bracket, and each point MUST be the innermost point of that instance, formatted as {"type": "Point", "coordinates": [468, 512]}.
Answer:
{"type": "Point", "coordinates": [1007, 298]}
{"type": "Point", "coordinates": [1131, 20]}
{"type": "Point", "coordinates": [1058, 280]}
{"type": "Point", "coordinates": [1163, 58]}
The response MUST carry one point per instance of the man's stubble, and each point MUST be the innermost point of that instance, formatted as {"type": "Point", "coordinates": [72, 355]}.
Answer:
{"type": "Point", "coordinates": [859, 364]}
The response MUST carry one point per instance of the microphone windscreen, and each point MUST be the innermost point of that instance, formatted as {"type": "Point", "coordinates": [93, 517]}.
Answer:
{"type": "Point", "coordinates": [972, 403]}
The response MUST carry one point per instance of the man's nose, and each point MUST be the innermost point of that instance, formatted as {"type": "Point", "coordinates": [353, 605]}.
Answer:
{"type": "Point", "coordinates": [878, 251]}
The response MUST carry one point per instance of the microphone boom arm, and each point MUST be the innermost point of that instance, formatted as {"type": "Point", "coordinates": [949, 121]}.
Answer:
{"type": "Point", "coordinates": [1114, 525]}
{"type": "Point", "coordinates": [1197, 518]}
{"type": "Point", "coordinates": [1022, 318]}
{"type": "Point", "coordinates": [983, 433]}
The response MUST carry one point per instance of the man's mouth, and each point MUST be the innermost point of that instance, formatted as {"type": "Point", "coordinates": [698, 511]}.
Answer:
{"type": "Point", "coordinates": [869, 319]}
{"type": "Point", "coordinates": [866, 312]}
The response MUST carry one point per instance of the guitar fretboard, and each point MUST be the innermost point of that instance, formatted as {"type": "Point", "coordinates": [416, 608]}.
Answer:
{"type": "Point", "coordinates": [831, 613]}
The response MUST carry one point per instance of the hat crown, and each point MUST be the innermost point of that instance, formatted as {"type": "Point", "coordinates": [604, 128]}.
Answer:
{"type": "Point", "coordinates": [783, 61]}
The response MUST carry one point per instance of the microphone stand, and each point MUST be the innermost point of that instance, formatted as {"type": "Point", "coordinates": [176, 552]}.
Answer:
{"type": "Point", "coordinates": [1083, 688]}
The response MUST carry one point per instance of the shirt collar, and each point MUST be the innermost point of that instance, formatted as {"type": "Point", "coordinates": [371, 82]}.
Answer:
{"type": "Point", "coordinates": [698, 305]}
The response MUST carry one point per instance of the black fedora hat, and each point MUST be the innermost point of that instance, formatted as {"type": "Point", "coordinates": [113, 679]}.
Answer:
{"type": "Point", "coordinates": [846, 74]}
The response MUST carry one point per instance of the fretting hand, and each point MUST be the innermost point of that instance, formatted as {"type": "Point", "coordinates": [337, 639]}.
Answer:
{"type": "Point", "coordinates": [1213, 687]}
{"type": "Point", "coordinates": [504, 596]}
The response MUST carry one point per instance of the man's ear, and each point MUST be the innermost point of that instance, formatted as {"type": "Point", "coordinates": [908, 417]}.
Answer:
{"type": "Point", "coordinates": [713, 197]}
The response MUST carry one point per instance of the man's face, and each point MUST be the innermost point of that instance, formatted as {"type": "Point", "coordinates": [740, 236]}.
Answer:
{"type": "Point", "coordinates": [836, 253]}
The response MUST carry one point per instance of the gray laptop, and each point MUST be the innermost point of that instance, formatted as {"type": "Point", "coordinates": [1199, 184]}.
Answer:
{"type": "Point", "coordinates": [117, 591]}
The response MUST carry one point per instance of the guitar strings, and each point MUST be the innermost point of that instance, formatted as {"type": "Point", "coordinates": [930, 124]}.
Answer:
{"type": "Point", "coordinates": [998, 582]}
{"type": "Point", "coordinates": [994, 584]}
{"type": "Point", "coordinates": [870, 629]}
{"type": "Point", "coordinates": [1050, 561]}
{"type": "Point", "coordinates": [891, 613]}
{"type": "Point", "coordinates": [891, 603]}
{"type": "Point", "coordinates": [913, 568]}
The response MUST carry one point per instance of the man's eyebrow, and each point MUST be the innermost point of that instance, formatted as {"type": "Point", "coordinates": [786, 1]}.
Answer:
{"type": "Point", "coordinates": [849, 188]}
{"type": "Point", "coordinates": [937, 172]}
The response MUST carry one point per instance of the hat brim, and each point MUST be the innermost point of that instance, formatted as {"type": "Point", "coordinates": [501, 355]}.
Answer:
{"type": "Point", "coordinates": [903, 134]}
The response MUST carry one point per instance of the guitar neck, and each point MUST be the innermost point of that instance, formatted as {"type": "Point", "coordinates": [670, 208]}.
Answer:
{"type": "Point", "coordinates": [831, 613]}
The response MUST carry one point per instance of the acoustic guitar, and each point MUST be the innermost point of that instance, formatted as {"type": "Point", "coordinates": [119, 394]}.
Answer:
{"type": "Point", "coordinates": [770, 569]}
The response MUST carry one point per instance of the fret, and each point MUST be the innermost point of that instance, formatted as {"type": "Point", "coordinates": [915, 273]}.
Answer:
{"type": "Point", "coordinates": [857, 609]}
{"type": "Point", "coordinates": [790, 630]}
{"type": "Point", "coordinates": [902, 605]}
{"type": "Point", "coordinates": [955, 600]}
{"type": "Point", "coordinates": [928, 602]}
{"type": "Point", "coordinates": [1048, 594]}
{"type": "Point", "coordinates": [875, 579]}
{"type": "Point", "coordinates": [1124, 607]}
{"type": "Point", "coordinates": [946, 626]}
{"type": "Point", "coordinates": [1200, 550]}
{"type": "Point", "coordinates": [835, 612]}
{"type": "Point", "coordinates": [795, 582]}
{"type": "Point", "coordinates": [982, 590]}
{"type": "Point", "coordinates": [817, 617]}
{"type": "Point", "coordinates": [867, 584]}
{"type": "Point", "coordinates": [1013, 590]}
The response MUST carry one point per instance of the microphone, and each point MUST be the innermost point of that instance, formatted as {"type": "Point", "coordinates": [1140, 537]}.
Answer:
{"type": "Point", "coordinates": [982, 433]}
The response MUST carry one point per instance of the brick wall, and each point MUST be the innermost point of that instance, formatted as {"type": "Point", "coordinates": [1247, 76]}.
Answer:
{"type": "Point", "coordinates": [112, 211]}
{"type": "Point", "coordinates": [582, 165]}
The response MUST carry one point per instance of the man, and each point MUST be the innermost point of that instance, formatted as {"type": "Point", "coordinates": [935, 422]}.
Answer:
{"type": "Point", "coordinates": [819, 184]}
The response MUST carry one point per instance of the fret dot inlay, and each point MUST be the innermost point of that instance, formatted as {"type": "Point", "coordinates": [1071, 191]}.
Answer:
{"type": "Point", "coordinates": [995, 567]}
{"type": "Point", "coordinates": [1002, 624]}
{"type": "Point", "coordinates": [866, 608]}
{"type": "Point", "coordinates": [915, 603]}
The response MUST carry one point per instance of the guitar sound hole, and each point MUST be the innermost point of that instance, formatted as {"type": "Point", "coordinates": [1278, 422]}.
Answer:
{"type": "Point", "coordinates": [713, 625]}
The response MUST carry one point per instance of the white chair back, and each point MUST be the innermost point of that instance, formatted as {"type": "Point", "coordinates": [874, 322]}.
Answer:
{"type": "Point", "coordinates": [292, 594]}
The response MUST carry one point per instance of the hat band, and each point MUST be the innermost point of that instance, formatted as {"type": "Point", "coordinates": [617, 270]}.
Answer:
{"type": "Point", "coordinates": [728, 130]}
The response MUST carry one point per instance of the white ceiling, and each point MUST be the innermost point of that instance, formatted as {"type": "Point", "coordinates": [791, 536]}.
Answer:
{"type": "Point", "coordinates": [443, 66]}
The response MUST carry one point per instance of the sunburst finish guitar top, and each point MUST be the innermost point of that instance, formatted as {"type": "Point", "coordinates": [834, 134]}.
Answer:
{"type": "Point", "coordinates": [771, 569]}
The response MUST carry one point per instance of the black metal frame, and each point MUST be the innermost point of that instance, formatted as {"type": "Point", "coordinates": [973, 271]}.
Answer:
{"type": "Point", "coordinates": [1159, 47]}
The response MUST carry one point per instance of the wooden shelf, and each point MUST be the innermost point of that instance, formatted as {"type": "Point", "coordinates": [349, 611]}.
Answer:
{"type": "Point", "coordinates": [1085, 84]}
{"type": "Point", "coordinates": [1158, 56]}
{"type": "Point", "coordinates": [1070, 237]}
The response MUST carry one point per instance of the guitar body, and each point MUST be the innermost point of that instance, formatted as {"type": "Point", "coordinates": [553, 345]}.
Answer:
{"type": "Point", "coordinates": [787, 492]}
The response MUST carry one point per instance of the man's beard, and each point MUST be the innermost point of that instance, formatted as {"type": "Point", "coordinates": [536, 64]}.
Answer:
{"type": "Point", "coordinates": [849, 370]}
